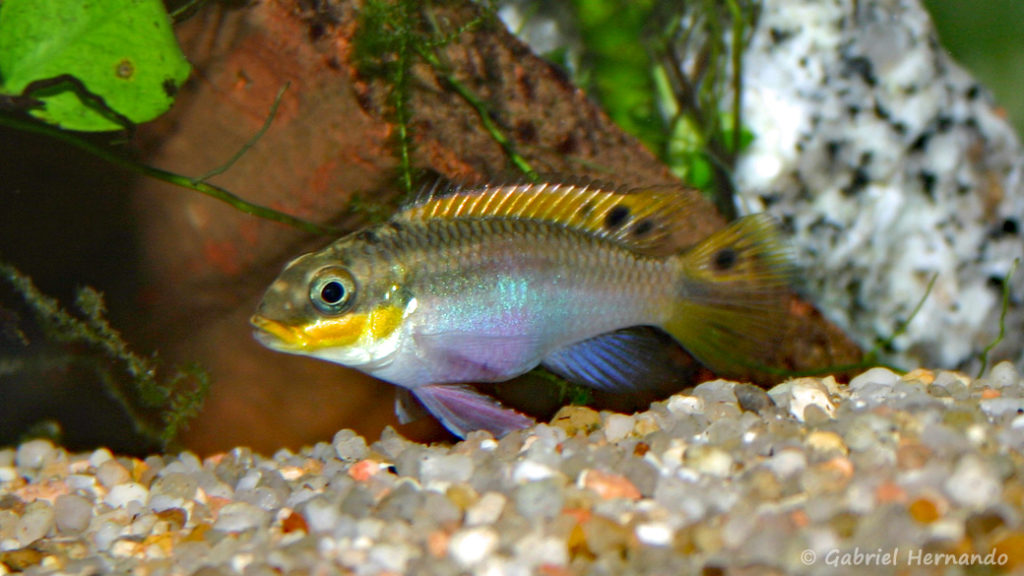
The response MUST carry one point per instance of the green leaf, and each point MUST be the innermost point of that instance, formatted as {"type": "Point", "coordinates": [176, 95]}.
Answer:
{"type": "Point", "coordinates": [122, 51]}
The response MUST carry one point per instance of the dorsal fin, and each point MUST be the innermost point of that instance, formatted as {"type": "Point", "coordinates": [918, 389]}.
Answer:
{"type": "Point", "coordinates": [641, 219]}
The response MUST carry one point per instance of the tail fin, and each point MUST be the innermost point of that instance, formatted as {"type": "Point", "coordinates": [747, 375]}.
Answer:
{"type": "Point", "coordinates": [732, 296]}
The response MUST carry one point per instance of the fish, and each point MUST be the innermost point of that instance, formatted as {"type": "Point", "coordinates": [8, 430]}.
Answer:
{"type": "Point", "coordinates": [471, 285]}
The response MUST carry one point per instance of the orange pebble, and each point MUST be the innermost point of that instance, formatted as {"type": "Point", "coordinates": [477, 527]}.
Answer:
{"type": "Point", "coordinates": [608, 485]}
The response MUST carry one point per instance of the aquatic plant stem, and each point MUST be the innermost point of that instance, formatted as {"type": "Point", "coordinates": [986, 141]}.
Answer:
{"type": "Point", "coordinates": [481, 109]}
{"type": "Point", "coordinates": [1002, 319]}
{"type": "Point", "coordinates": [206, 188]}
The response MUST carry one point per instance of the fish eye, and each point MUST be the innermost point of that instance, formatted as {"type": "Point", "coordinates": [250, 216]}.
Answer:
{"type": "Point", "coordinates": [332, 290]}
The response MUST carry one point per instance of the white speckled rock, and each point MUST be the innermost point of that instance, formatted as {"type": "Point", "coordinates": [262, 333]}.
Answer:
{"type": "Point", "coordinates": [889, 164]}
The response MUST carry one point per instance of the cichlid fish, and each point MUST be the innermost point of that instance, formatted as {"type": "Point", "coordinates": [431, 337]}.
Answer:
{"type": "Point", "coordinates": [484, 284]}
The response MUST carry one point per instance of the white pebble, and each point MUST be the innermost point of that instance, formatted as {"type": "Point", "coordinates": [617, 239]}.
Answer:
{"type": "Point", "coordinates": [73, 513]}
{"type": "Point", "coordinates": [445, 469]}
{"type": "Point", "coordinates": [800, 394]}
{"type": "Point", "coordinates": [874, 377]}
{"type": "Point", "coordinates": [320, 514]}
{"type": "Point", "coordinates": [249, 481]}
{"type": "Point", "coordinates": [35, 523]}
{"type": "Point", "coordinates": [618, 427]}
{"type": "Point", "coordinates": [111, 473]}
{"type": "Point", "coordinates": [469, 547]}
{"type": "Point", "coordinates": [974, 483]}
{"type": "Point", "coordinates": [349, 446]}
{"type": "Point", "coordinates": [541, 550]}
{"type": "Point", "coordinates": [996, 407]}
{"type": "Point", "coordinates": [531, 471]}
{"type": "Point", "coordinates": [709, 460]}
{"type": "Point", "coordinates": [8, 544]}
{"type": "Point", "coordinates": [486, 510]}
{"type": "Point", "coordinates": [107, 533]}
{"type": "Point", "coordinates": [680, 404]}
{"type": "Point", "coordinates": [124, 548]}
{"type": "Point", "coordinates": [393, 558]}
{"type": "Point", "coordinates": [786, 463]}
{"type": "Point", "coordinates": [33, 454]}
{"type": "Point", "coordinates": [1004, 374]}
{"type": "Point", "coordinates": [654, 533]}
{"type": "Point", "coordinates": [99, 456]}
{"type": "Point", "coordinates": [83, 482]}
{"type": "Point", "coordinates": [239, 517]}
{"type": "Point", "coordinates": [239, 562]}
{"type": "Point", "coordinates": [122, 494]}
{"type": "Point", "coordinates": [8, 473]}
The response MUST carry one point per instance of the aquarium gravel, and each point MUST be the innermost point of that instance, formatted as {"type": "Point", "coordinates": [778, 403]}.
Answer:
{"type": "Point", "coordinates": [920, 473]}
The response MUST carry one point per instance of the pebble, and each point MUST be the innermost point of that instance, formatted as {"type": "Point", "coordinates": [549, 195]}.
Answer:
{"type": "Point", "coordinates": [805, 398]}
{"type": "Point", "coordinates": [239, 517]}
{"type": "Point", "coordinates": [33, 454]}
{"type": "Point", "coordinates": [539, 499]}
{"type": "Point", "coordinates": [72, 513]}
{"type": "Point", "coordinates": [1004, 375]}
{"type": "Point", "coordinates": [321, 514]}
{"type": "Point", "coordinates": [123, 494]}
{"type": "Point", "coordinates": [349, 446]}
{"type": "Point", "coordinates": [608, 485]}
{"type": "Point", "coordinates": [974, 483]}
{"type": "Point", "coordinates": [618, 427]}
{"type": "Point", "coordinates": [36, 521]}
{"type": "Point", "coordinates": [707, 486]}
{"type": "Point", "coordinates": [487, 509]}
{"type": "Point", "coordinates": [471, 546]}
{"type": "Point", "coordinates": [111, 473]}
{"type": "Point", "coordinates": [445, 469]}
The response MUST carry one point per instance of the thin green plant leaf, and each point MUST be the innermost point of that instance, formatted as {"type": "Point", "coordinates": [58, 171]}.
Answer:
{"type": "Point", "coordinates": [388, 40]}
{"type": "Point", "coordinates": [249, 143]}
{"type": "Point", "coordinates": [382, 48]}
{"type": "Point", "coordinates": [205, 188]}
{"type": "Point", "coordinates": [901, 328]}
{"type": "Point", "coordinates": [506, 143]}
{"type": "Point", "coordinates": [1002, 319]}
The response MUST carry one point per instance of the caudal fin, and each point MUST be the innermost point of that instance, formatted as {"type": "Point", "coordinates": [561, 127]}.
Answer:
{"type": "Point", "coordinates": [732, 295]}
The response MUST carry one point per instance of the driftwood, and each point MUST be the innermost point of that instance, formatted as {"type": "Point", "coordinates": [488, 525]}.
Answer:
{"type": "Point", "coordinates": [332, 140]}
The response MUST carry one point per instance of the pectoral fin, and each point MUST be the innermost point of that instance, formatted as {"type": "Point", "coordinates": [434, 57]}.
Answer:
{"type": "Point", "coordinates": [628, 360]}
{"type": "Point", "coordinates": [462, 410]}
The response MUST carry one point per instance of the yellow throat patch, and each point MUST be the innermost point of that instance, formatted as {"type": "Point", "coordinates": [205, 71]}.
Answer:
{"type": "Point", "coordinates": [345, 330]}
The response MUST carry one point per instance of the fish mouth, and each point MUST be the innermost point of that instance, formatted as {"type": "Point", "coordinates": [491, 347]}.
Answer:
{"type": "Point", "coordinates": [273, 334]}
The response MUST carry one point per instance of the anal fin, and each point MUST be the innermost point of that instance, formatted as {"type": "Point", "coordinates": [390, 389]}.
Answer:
{"type": "Point", "coordinates": [630, 360]}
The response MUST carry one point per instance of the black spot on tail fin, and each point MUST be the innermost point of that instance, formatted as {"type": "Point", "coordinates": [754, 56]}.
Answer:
{"type": "Point", "coordinates": [732, 296]}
